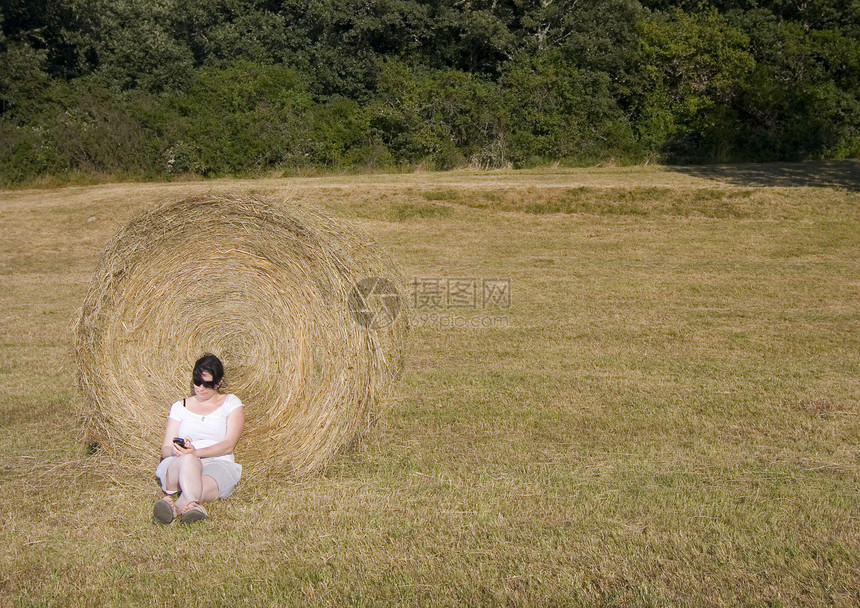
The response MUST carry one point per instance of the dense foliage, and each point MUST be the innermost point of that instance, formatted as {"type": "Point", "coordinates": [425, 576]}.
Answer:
{"type": "Point", "coordinates": [224, 87]}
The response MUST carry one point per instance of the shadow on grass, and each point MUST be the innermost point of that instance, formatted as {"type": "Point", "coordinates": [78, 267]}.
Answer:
{"type": "Point", "coordinates": [838, 173]}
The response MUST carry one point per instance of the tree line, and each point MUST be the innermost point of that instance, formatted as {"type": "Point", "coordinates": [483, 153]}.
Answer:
{"type": "Point", "coordinates": [158, 88]}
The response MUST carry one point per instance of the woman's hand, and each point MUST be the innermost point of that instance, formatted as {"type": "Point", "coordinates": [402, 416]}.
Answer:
{"type": "Point", "coordinates": [178, 450]}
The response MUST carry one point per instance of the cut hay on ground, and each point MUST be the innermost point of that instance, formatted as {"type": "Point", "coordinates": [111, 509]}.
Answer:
{"type": "Point", "coordinates": [291, 300]}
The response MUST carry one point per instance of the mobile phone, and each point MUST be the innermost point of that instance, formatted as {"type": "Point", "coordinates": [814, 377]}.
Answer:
{"type": "Point", "coordinates": [179, 441]}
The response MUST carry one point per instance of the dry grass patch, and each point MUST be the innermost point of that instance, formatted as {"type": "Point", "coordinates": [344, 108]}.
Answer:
{"type": "Point", "coordinates": [669, 417]}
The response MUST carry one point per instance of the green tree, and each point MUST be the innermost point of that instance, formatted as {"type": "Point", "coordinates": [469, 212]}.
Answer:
{"type": "Point", "coordinates": [341, 42]}
{"type": "Point", "coordinates": [802, 100]}
{"type": "Point", "coordinates": [131, 44]}
{"type": "Point", "coordinates": [809, 14]}
{"type": "Point", "coordinates": [23, 75]}
{"type": "Point", "coordinates": [596, 36]}
{"type": "Point", "coordinates": [399, 115]}
{"type": "Point", "coordinates": [342, 136]}
{"type": "Point", "coordinates": [474, 37]}
{"type": "Point", "coordinates": [446, 117]}
{"type": "Point", "coordinates": [692, 67]}
{"type": "Point", "coordinates": [219, 32]}
{"type": "Point", "coordinates": [244, 118]}
{"type": "Point", "coordinates": [554, 110]}
{"type": "Point", "coordinates": [47, 26]}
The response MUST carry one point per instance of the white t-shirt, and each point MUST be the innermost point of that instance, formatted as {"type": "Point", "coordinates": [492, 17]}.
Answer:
{"type": "Point", "coordinates": [207, 430]}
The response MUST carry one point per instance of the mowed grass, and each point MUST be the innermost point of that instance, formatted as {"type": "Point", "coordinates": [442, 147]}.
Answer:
{"type": "Point", "coordinates": [665, 415]}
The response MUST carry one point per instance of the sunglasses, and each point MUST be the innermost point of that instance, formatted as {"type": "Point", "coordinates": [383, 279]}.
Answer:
{"type": "Point", "coordinates": [204, 383]}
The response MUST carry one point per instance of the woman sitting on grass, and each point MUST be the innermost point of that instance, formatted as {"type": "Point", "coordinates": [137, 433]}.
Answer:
{"type": "Point", "coordinates": [197, 450]}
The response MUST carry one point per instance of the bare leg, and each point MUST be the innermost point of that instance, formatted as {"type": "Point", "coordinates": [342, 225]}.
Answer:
{"type": "Point", "coordinates": [186, 475]}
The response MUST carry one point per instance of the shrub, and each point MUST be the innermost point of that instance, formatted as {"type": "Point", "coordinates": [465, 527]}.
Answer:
{"type": "Point", "coordinates": [555, 111]}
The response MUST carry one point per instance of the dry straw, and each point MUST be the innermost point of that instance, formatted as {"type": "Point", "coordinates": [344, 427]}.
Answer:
{"type": "Point", "coordinates": [305, 311]}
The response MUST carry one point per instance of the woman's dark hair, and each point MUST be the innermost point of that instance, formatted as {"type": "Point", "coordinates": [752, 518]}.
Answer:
{"type": "Point", "coordinates": [208, 363]}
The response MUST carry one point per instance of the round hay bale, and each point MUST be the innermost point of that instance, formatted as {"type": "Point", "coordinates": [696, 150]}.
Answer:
{"type": "Point", "coordinates": [305, 312]}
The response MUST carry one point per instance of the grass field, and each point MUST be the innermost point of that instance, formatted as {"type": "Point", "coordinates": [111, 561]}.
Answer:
{"type": "Point", "coordinates": [665, 415]}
